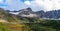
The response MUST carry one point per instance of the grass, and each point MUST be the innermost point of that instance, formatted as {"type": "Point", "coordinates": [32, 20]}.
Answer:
{"type": "Point", "coordinates": [47, 25]}
{"type": "Point", "coordinates": [3, 27]}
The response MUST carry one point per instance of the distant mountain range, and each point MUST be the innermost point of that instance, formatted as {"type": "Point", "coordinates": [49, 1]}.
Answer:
{"type": "Point", "coordinates": [39, 14]}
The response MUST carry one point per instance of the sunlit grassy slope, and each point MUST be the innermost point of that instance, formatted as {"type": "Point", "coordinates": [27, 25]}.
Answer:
{"type": "Point", "coordinates": [3, 27]}
{"type": "Point", "coordinates": [44, 25]}
{"type": "Point", "coordinates": [12, 27]}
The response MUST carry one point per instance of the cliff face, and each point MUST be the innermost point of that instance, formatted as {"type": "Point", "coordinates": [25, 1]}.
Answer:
{"type": "Point", "coordinates": [27, 13]}
{"type": "Point", "coordinates": [39, 14]}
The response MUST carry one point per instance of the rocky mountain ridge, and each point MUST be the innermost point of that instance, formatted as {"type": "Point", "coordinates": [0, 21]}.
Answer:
{"type": "Point", "coordinates": [39, 14]}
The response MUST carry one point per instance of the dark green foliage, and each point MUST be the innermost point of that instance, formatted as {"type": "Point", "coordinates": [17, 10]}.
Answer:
{"type": "Point", "coordinates": [45, 25]}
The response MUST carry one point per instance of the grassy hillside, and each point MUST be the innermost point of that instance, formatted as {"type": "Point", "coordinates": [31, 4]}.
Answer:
{"type": "Point", "coordinates": [3, 27]}
{"type": "Point", "coordinates": [44, 25]}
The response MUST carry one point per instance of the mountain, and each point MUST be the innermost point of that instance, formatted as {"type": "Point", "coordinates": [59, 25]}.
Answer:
{"type": "Point", "coordinates": [12, 22]}
{"type": "Point", "coordinates": [6, 16]}
{"type": "Point", "coordinates": [53, 14]}
{"type": "Point", "coordinates": [39, 14]}
{"type": "Point", "coordinates": [27, 13]}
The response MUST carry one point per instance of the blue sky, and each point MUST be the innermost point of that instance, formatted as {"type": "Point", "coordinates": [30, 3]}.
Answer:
{"type": "Point", "coordinates": [26, 0]}
{"type": "Point", "coordinates": [36, 5]}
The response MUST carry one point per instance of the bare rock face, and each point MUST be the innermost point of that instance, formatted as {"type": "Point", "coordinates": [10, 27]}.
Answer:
{"type": "Point", "coordinates": [27, 13]}
{"type": "Point", "coordinates": [40, 14]}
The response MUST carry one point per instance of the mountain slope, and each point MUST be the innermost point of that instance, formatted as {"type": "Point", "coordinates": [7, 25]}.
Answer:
{"type": "Point", "coordinates": [54, 14]}
{"type": "Point", "coordinates": [27, 13]}
{"type": "Point", "coordinates": [7, 16]}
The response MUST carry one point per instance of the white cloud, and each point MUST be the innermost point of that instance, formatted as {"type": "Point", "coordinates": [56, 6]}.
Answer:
{"type": "Point", "coordinates": [1, 1]}
{"type": "Point", "coordinates": [14, 4]}
{"type": "Point", "coordinates": [27, 2]}
{"type": "Point", "coordinates": [46, 5]}
{"type": "Point", "coordinates": [57, 4]}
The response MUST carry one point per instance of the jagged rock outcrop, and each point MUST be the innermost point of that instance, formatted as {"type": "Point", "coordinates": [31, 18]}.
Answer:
{"type": "Point", "coordinates": [39, 14]}
{"type": "Point", "coordinates": [27, 13]}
